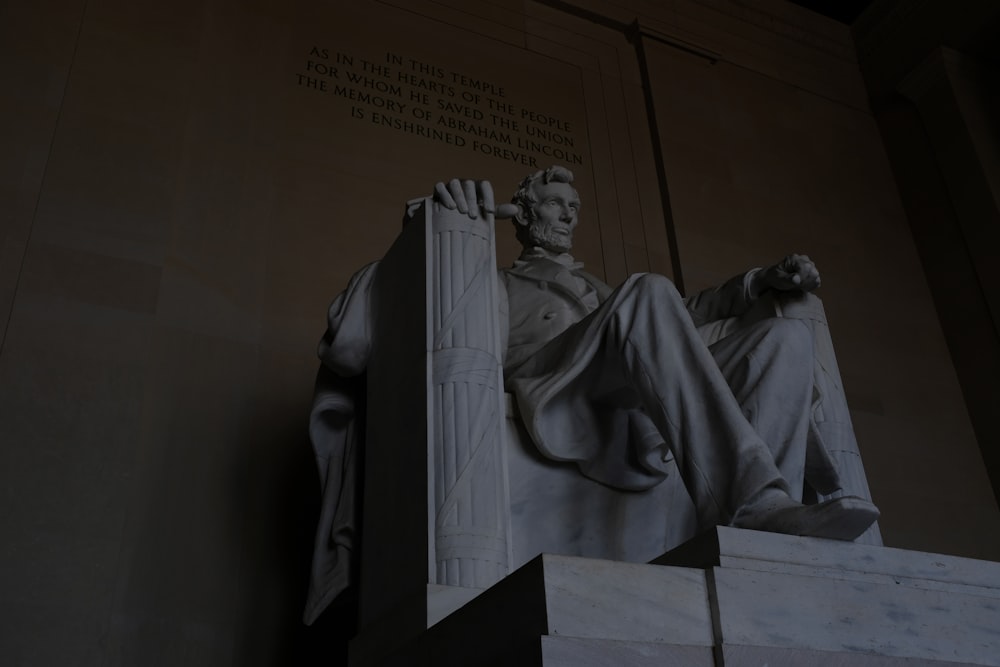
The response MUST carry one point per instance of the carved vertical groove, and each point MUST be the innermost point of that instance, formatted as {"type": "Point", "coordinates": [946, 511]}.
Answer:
{"type": "Point", "coordinates": [471, 541]}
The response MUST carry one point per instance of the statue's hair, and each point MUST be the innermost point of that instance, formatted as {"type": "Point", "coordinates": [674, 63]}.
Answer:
{"type": "Point", "coordinates": [525, 199]}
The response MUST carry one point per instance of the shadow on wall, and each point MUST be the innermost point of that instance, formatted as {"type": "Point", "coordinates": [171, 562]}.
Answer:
{"type": "Point", "coordinates": [277, 497]}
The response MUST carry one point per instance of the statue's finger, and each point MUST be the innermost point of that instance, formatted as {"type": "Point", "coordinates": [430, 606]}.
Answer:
{"type": "Point", "coordinates": [444, 196]}
{"type": "Point", "coordinates": [505, 211]}
{"type": "Point", "coordinates": [458, 195]}
{"type": "Point", "coordinates": [471, 199]}
{"type": "Point", "coordinates": [486, 191]}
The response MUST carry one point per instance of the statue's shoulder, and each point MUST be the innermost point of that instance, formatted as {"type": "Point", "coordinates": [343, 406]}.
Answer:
{"type": "Point", "coordinates": [527, 270]}
{"type": "Point", "coordinates": [604, 290]}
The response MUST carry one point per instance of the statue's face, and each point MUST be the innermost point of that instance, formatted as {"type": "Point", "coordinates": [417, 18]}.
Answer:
{"type": "Point", "coordinates": [555, 216]}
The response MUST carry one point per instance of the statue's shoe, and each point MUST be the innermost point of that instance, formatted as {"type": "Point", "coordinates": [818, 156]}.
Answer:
{"type": "Point", "coordinates": [843, 518]}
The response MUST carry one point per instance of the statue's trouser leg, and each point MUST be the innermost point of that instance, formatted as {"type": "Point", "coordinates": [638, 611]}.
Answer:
{"type": "Point", "coordinates": [653, 343]}
{"type": "Point", "coordinates": [769, 367]}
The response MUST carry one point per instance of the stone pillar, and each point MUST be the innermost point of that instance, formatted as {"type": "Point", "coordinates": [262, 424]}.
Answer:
{"type": "Point", "coordinates": [957, 102]}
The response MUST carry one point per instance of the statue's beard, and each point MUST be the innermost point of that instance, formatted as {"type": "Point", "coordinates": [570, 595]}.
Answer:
{"type": "Point", "coordinates": [548, 237]}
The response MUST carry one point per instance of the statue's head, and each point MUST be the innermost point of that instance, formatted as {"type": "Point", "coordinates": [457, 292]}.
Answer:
{"type": "Point", "coordinates": [548, 206]}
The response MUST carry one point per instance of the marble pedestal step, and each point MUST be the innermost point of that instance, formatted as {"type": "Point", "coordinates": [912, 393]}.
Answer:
{"type": "Point", "coordinates": [733, 548]}
{"type": "Point", "coordinates": [629, 608]}
{"type": "Point", "coordinates": [779, 600]}
{"type": "Point", "coordinates": [730, 597]}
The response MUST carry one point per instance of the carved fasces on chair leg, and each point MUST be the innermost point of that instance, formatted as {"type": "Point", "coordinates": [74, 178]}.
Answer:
{"type": "Point", "coordinates": [469, 491]}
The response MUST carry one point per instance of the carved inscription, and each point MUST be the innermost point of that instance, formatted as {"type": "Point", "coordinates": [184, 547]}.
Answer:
{"type": "Point", "coordinates": [443, 105]}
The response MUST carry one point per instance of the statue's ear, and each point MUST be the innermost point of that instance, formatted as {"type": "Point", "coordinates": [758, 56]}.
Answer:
{"type": "Point", "coordinates": [521, 219]}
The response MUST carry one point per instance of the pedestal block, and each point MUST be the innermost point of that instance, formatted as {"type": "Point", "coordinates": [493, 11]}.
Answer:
{"type": "Point", "coordinates": [730, 598]}
{"type": "Point", "coordinates": [785, 600]}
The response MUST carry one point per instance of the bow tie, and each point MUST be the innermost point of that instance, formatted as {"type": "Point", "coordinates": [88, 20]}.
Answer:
{"type": "Point", "coordinates": [563, 258]}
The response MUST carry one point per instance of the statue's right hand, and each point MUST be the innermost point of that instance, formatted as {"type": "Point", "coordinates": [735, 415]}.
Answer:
{"type": "Point", "coordinates": [468, 196]}
{"type": "Point", "coordinates": [474, 198]}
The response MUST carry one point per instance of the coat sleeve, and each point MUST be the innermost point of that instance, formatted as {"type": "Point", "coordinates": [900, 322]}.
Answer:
{"type": "Point", "coordinates": [334, 434]}
{"type": "Point", "coordinates": [333, 430]}
{"type": "Point", "coordinates": [347, 342]}
{"type": "Point", "coordinates": [731, 299]}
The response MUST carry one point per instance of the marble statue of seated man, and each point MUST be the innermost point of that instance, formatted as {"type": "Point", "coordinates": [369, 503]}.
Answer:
{"type": "Point", "coordinates": [616, 380]}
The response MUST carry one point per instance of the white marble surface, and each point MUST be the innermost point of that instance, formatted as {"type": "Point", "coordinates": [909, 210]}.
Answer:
{"type": "Point", "coordinates": [761, 656]}
{"type": "Point", "coordinates": [577, 652]}
{"type": "Point", "coordinates": [808, 594]}
{"type": "Point", "coordinates": [756, 550]}
{"type": "Point", "coordinates": [809, 612]}
{"type": "Point", "coordinates": [603, 599]}
{"type": "Point", "coordinates": [988, 589]}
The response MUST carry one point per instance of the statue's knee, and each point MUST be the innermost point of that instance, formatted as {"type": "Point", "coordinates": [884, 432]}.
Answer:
{"type": "Point", "coordinates": [656, 285]}
{"type": "Point", "coordinates": [796, 305]}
